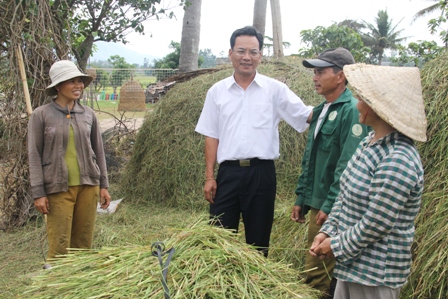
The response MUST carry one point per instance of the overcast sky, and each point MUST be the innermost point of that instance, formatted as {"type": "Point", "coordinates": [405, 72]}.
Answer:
{"type": "Point", "coordinates": [220, 18]}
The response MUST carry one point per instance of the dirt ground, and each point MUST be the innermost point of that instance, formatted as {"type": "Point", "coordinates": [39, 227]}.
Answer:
{"type": "Point", "coordinates": [108, 123]}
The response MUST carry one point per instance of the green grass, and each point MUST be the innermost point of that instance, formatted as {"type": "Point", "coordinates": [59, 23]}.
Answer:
{"type": "Point", "coordinates": [108, 109]}
{"type": "Point", "coordinates": [145, 80]}
{"type": "Point", "coordinates": [20, 255]}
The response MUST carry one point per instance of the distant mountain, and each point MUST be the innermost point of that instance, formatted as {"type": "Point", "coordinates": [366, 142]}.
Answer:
{"type": "Point", "coordinates": [106, 50]}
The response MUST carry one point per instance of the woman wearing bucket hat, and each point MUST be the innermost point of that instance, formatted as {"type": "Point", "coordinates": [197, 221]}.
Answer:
{"type": "Point", "coordinates": [370, 229]}
{"type": "Point", "coordinates": [67, 161]}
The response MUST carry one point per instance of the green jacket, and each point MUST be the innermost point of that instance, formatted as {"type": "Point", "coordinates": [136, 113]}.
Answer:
{"type": "Point", "coordinates": [326, 156]}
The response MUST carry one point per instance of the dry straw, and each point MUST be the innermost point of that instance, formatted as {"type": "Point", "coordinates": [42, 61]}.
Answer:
{"type": "Point", "coordinates": [288, 238]}
{"type": "Point", "coordinates": [429, 274]}
{"type": "Point", "coordinates": [209, 263]}
{"type": "Point", "coordinates": [168, 165]}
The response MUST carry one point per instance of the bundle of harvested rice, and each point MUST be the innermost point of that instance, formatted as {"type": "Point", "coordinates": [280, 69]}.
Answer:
{"type": "Point", "coordinates": [168, 165]}
{"type": "Point", "coordinates": [208, 262]}
{"type": "Point", "coordinates": [429, 276]}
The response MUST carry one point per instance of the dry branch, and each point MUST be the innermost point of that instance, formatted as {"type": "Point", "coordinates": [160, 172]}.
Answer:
{"type": "Point", "coordinates": [31, 28]}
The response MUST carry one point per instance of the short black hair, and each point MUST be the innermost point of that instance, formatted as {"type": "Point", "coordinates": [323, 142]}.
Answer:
{"type": "Point", "coordinates": [337, 69]}
{"type": "Point", "coordinates": [248, 30]}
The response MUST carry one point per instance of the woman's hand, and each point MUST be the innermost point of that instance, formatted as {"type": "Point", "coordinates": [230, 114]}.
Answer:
{"type": "Point", "coordinates": [104, 198]}
{"type": "Point", "coordinates": [41, 204]}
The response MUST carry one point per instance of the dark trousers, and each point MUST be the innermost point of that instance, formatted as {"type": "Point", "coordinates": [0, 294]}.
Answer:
{"type": "Point", "coordinates": [248, 191]}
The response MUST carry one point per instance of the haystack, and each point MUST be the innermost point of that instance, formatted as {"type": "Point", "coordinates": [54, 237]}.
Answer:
{"type": "Point", "coordinates": [208, 262]}
{"type": "Point", "coordinates": [168, 164]}
{"type": "Point", "coordinates": [132, 97]}
{"type": "Point", "coordinates": [429, 277]}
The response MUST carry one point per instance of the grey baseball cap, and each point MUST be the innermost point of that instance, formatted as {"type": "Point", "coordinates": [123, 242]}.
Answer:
{"type": "Point", "coordinates": [331, 57]}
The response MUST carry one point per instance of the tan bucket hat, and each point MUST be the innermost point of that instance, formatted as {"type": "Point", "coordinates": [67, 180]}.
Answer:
{"type": "Point", "coordinates": [64, 70]}
{"type": "Point", "coordinates": [394, 93]}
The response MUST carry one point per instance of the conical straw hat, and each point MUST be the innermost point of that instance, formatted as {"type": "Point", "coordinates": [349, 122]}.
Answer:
{"type": "Point", "coordinates": [394, 93]}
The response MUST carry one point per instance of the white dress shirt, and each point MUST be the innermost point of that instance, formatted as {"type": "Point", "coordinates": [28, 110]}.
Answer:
{"type": "Point", "coordinates": [246, 121]}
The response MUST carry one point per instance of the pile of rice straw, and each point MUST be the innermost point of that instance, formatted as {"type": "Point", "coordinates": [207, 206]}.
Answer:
{"type": "Point", "coordinates": [429, 276]}
{"type": "Point", "coordinates": [209, 262]}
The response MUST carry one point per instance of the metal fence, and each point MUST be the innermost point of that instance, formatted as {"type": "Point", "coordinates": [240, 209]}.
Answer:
{"type": "Point", "coordinates": [107, 83]}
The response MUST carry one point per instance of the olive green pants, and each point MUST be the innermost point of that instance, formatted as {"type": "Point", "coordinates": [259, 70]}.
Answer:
{"type": "Point", "coordinates": [320, 278]}
{"type": "Point", "coordinates": [71, 220]}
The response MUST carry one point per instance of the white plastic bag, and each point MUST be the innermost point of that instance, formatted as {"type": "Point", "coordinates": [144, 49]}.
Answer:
{"type": "Point", "coordinates": [110, 209]}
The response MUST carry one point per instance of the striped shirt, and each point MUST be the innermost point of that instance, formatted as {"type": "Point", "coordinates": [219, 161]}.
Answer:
{"type": "Point", "coordinates": [371, 224]}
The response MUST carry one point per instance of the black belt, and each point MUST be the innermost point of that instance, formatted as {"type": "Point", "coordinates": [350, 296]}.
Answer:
{"type": "Point", "coordinates": [245, 162]}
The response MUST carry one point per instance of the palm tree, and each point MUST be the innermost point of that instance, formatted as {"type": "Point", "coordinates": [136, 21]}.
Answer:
{"type": "Point", "coordinates": [191, 28]}
{"type": "Point", "coordinates": [260, 23]}
{"type": "Point", "coordinates": [260, 15]}
{"type": "Point", "coordinates": [383, 35]}
{"type": "Point", "coordinates": [353, 24]}
{"type": "Point", "coordinates": [430, 9]}
{"type": "Point", "coordinates": [435, 24]}
{"type": "Point", "coordinates": [277, 35]}
{"type": "Point", "coordinates": [270, 44]}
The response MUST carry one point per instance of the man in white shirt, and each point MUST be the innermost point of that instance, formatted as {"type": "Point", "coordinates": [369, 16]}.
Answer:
{"type": "Point", "coordinates": [240, 121]}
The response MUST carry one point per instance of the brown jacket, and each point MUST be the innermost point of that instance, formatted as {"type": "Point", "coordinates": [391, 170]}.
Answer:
{"type": "Point", "coordinates": [48, 131]}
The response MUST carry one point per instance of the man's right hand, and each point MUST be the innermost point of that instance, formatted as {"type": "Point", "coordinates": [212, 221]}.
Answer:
{"type": "Point", "coordinates": [41, 204]}
{"type": "Point", "coordinates": [296, 214]}
{"type": "Point", "coordinates": [210, 190]}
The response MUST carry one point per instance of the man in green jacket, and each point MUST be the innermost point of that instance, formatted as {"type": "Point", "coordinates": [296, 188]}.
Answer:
{"type": "Point", "coordinates": [333, 137]}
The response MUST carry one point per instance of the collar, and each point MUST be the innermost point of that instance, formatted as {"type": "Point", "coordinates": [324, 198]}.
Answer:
{"type": "Point", "coordinates": [384, 140]}
{"type": "Point", "coordinates": [77, 108]}
{"type": "Point", "coordinates": [258, 79]}
{"type": "Point", "coordinates": [344, 97]}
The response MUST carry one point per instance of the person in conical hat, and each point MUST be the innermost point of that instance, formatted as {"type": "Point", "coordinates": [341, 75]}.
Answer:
{"type": "Point", "coordinates": [370, 229]}
{"type": "Point", "coordinates": [67, 163]}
